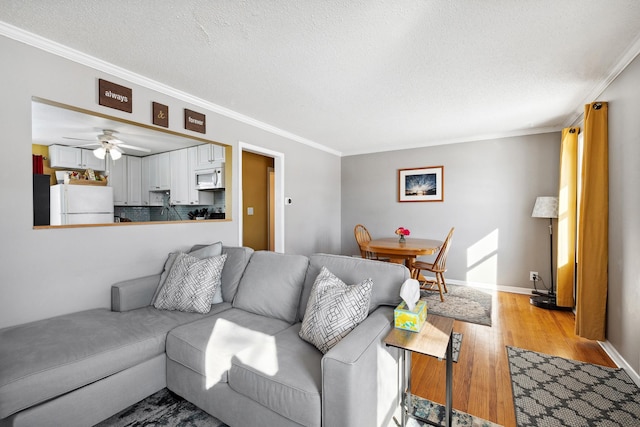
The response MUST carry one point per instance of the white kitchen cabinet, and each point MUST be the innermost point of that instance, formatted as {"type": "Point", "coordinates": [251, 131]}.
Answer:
{"type": "Point", "coordinates": [159, 172]}
{"type": "Point", "coordinates": [118, 181]}
{"type": "Point", "coordinates": [90, 161]}
{"type": "Point", "coordinates": [144, 179]}
{"type": "Point", "coordinates": [126, 179]}
{"type": "Point", "coordinates": [134, 181]}
{"type": "Point", "coordinates": [196, 197]}
{"type": "Point", "coordinates": [179, 177]}
{"type": "Point", "coordinates": [156, 178]}
{"type": "Point", "coordinates": [61, 156]}
{"type": "Point", "coordinates": [209, 155]}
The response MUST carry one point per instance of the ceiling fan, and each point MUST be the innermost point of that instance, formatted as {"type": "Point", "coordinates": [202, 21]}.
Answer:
{"type": "Point", "coordinates": [109, 144]}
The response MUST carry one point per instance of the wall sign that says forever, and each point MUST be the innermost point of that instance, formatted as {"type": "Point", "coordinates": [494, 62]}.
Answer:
{"type": "Point", "coordinates": [195, 121]}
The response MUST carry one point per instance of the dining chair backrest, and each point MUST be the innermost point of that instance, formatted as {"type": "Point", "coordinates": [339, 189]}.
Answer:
{"type": "Point", "coordinates": [440, 263]}
{"type": "Point", "coordinates": [362, 238]}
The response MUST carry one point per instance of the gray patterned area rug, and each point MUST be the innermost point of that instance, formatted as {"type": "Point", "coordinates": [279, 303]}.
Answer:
{"type": "Point", "coordinates": [553, 391]}
{"type": "Point", "coordinates": [461, 303]}
{"type": "Point", "coordinates": [435, 413]}
{"type": "Point", "coordinates": [163, 408]}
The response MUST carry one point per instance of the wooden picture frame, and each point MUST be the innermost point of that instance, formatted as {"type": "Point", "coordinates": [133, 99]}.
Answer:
{"type": "Point", "coordinates": [421, 184]}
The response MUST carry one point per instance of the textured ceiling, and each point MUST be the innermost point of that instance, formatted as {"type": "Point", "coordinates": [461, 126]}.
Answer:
{"type": "Point", "coordinates": [362, 76]}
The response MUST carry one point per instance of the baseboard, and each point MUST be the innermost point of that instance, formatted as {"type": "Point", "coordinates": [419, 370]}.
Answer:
{"type": "Point", "coordinates": [491, 287]}
{"type": "Point", "coordinates": [619, 360]}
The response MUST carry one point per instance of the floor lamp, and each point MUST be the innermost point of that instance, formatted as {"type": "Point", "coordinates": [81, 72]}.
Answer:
{"type": "Point", "coordinates": [546, 207]}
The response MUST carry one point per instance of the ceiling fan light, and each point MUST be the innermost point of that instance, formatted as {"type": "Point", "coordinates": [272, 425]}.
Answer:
{"type": "Point", "coordinates": [100, 152]}
{"type": "Point", "coordinates": [115, 154]}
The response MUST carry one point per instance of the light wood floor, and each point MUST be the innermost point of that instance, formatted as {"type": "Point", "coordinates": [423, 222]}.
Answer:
{"type": "Point", "coordinates": [481, 382]}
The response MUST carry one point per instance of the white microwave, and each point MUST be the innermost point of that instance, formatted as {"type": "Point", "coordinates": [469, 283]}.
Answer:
{"type": "Point", "coordinates": [210, 179]}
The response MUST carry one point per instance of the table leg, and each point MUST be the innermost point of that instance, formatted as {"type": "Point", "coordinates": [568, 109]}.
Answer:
{"type": "Point", "coordinates": [406, 397]}
{"type": "Point", "coordinates": [449, 381]}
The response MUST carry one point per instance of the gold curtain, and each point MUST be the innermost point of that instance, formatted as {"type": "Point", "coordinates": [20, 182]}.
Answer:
{"type": "Point", "coordinates": [566, 254]}
{"type": "Point", "coordinates": [592, 240]}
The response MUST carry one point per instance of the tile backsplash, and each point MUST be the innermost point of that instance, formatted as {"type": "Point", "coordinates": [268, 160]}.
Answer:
{"type": "Point", "coordinates": [165, 213]}
{"type": "Point", "coordinates": [159, 213]}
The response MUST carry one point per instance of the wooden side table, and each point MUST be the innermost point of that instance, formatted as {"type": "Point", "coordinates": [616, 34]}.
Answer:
{"type": "Point", "coordinates": [435, 339]}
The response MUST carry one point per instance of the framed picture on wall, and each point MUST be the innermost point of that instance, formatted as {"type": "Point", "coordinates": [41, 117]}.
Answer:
{"type": "Point", "coordinates": [421, 184]}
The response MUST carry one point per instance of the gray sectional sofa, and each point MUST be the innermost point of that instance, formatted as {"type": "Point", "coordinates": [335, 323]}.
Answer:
{"type": "Point", "coordinates": [243, 361]}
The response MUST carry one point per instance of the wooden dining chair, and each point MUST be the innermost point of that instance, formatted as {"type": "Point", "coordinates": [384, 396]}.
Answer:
{"type": "Point", "coordinates": [363, 237]}
{"type": "Point", "coordinates": [438, 267]}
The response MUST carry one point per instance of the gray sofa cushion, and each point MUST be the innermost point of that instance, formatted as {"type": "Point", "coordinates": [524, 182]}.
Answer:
{"type": "Point", "coordinates": [284, 376]}
{"type": "Point", "coordinates": [272, 284]}
{"type": "Point", "coordinates": [237, 260]}
{"type": "Point", "coordinates": [47, 358]}
{"type": "Point", "coordinates": [208, 345]}
{"type": "Point", "coordinates": [387, 278]}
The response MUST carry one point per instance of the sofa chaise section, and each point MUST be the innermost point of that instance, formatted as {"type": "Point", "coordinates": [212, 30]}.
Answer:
{"type": "Point", "coordinates": [42, 360]}
{"type": "Point", "coordinates": [80, 368]}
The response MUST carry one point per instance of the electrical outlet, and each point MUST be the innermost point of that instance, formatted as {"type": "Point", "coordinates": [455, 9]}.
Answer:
{"type": "Point", "coordinates": [533, 276]}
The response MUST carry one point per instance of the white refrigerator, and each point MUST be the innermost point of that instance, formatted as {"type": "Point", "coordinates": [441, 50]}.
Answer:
{"type": "Point", "coordinates": [81, 204]}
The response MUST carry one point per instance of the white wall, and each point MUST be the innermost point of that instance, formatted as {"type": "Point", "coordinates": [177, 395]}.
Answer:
{"type": "Point", "coordinates": [55, 271]}
{"type": "Point", "coordinates": [623, 313]}
{"type": "Point", "coordinates": [492, 185]}
{"type": "Point", "coordinates": [489, 191]}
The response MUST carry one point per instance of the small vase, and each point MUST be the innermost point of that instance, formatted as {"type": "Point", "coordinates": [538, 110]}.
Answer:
{"type": "Point", "coordinates": [402, 239]}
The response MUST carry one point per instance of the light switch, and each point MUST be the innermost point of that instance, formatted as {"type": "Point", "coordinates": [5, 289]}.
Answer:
{"type": "Point", "coordinates": [249, 211]}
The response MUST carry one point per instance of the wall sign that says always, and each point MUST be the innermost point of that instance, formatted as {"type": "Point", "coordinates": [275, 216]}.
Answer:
{"type": "Point", "coordinates": [113, 95]}
{"type": "Point", "coordinates": [195, 121]}
{"type": "Point", "coordinates": [160, 115]}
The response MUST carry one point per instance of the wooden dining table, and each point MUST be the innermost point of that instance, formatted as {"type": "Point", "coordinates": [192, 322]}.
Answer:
{"type": "Point", "coordinates": [392, 248]}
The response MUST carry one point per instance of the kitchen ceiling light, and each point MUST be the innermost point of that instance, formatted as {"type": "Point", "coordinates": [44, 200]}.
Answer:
{"type": "Point", "coordinates": [100, 152]}
{"type": "Point", "coordinates": [115, 154]}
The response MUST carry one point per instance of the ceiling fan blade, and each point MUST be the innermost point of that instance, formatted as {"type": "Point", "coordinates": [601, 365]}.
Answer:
{"type": "Point", "coordinates": [133, 147]}
{"type": "Point", "coordinates": [93, 144]}
{"type": "Point", "coordinates": [78, 139]}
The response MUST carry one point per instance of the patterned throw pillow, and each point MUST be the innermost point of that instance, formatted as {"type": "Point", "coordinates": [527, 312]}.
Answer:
{"type": "Point", "coordinates": [334, 309]}
{"type": "Point", "coordinates": [198, 251]}
{"type": "Point", "coordinates": [191, 284]}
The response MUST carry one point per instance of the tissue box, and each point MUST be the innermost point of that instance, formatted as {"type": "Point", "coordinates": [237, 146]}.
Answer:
{"type": "Point", "coordinates": [410, 320]}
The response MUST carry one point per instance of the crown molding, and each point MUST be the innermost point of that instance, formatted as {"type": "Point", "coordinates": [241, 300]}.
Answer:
{"type": "Point", "coordinates": [66, 52]}
{"type": "Point", "coordinates": [625, 59]}
{"type": "Point", "coordinates": [471, 138]}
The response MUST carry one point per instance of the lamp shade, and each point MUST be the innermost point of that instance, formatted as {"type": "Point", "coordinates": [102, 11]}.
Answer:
{"type": "Point", "coordinates": [545, 207]}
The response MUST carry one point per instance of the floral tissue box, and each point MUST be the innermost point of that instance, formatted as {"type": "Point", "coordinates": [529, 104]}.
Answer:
{"type": "Point", "coordinates": [410, 320]}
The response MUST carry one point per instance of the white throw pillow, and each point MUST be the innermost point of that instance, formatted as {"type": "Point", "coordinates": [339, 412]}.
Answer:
{"type": "Point", "coordinates": [191, 284]}
{"type": "Point", "coordinates": [207, 251]}
{"type": "Point", "coordinates": [334, 309]}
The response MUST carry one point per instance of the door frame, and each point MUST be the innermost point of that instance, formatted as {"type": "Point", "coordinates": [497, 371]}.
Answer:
{"type": "Point", "coordinates": [278, 163]}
